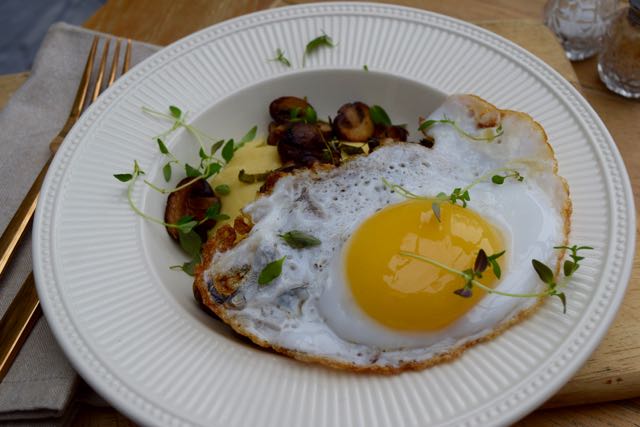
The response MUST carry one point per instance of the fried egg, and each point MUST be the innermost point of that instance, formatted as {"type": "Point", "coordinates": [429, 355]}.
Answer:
{"type": "Point", "coordinates": [357, 300]}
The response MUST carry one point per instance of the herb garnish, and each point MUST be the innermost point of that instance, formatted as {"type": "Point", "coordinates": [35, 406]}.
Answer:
{"type": "Point", "coordinates": [365, 67]}
{"type": "Point", "coordinates": [281, 58]}
{"type": "Point", "coordinates": [428, 123]}
{"type": "Point", "coordinates": [222, 189]}
{"type": "Point", "coordinates": [459, 194]}
{"type": "Point", "coordinates": [570, 267]}
{"type": "Point", "coordinates": [379, 116]}
{"type": "Point", "coordinates": [315, 44]}
{"type": "Point", "coordinates": [482, 261]}
{"type": "Point", "coordinates": [210, 164]}
{"type": "Point", "coordinates": [309, 115]}
{"type": "Point", "coordinates": [271, 271]}
{"type": "Point", "coordinates": [299, 239]}
{"type": "Point", "coordinates": [184, 224]}
{"type": "Point", "coordinates": [250, 178]}
{"type": "Point", "coordinates": [189, 240]}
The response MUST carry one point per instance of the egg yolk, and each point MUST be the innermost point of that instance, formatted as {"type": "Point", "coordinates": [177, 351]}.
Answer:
{"type": "Point", "coordinates": [408, 294]}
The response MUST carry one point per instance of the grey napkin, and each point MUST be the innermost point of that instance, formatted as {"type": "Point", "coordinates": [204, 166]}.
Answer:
{"type": "Point", "coordinates": [41, 382]}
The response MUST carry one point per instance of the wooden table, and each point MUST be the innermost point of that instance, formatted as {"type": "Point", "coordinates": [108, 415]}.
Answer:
{"type": "Point", "coordinates": [613, 372]}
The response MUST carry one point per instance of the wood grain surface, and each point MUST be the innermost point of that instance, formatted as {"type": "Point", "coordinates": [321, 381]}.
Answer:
{"type": "Point", "coordinates": [613, 371]}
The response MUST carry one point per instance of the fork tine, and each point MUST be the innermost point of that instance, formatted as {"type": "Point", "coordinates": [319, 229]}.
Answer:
{"type": "Point", "coordinates": [127, 57]}
{"type": "Point", "coordinates": [103, 65]}
{"type": "Point", "coordinates": [114, 63]}
{"type": "Point", "coordinates": [83, 88]}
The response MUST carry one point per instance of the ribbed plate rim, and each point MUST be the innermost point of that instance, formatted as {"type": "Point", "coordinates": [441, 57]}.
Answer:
{"type": "Point", "coordinates": [145, 411]}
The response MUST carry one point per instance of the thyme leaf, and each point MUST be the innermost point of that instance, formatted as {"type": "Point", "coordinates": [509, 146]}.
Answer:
{"type": "Point", "coordinates": [309, 115]}
{"type": "Point", "coordinates": [271, 271]}
{"type": "Point", "coordinates": [123, 177]}
{"type": "Point", "coordinates": [190, 242]}
{"type": "Point", "coordinates": [166, 172]}
{"type": "Point", "coordinates": [299, 239]}
{"type": "Point", "coordinates": [315, 44]}
{"type": "Point", "coordinates": [188, 267]}
{"type": "Point", "coordinates": [222, 189]}
{"type": "Point", "coordinates": [163, 148]}
{"type": "Point", "coordinates": [379, 116]}
{"type": "Point", "coordinates": [175, 111]}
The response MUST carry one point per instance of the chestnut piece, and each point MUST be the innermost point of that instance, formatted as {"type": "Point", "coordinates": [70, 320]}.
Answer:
{"type": "Point", "coordinates": [304, 145]}
{"type": "Point", "coordinates": [194, 201]}
{"type": "Point", "coordinates": [280, 109]}
{"type": "Point", "coordinates": [353, 123]}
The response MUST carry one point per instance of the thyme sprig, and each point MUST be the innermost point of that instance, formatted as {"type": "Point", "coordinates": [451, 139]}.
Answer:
{"type": "Point", "coordinates": [459, 195]}
{"type": "Point", "coordinates": [488, 138]}
{"type": "Point", "coordinates": [482, 261]}
{"type": "Point", "coordinates": [186, 224]}
{"type": "Point", "coordinates": [570, 267]}
{"type": "Point", "coordinates": [189, 240]}
{"type": "Point", "coordinates": [212, 159]}
{"type": "Point", "coordinates": [281, 58]}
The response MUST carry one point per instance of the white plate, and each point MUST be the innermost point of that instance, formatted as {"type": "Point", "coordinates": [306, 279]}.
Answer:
{"type": "Point", "coordinates": [130, 326]}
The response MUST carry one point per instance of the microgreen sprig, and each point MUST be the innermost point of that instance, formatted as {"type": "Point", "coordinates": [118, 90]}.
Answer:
{"type": "Point", "coordinates": [189, 240]}
{"type": "Point", "coordinates": [185, 224]}
{"type": "Point", "coordinates": [210, 161]}
{"type": "Point", "coordinates": [459, 195]}
{"type": "Point", "coordinates": [281, 58]}
{"type": "Point", "coordinates": [570, 267]}
{"type": "Point", "coordinates": [482, 261]}
{"type": "Point", "coordinates": [315, 44]}
{"type": "Point", "coordinates": [488, 138]}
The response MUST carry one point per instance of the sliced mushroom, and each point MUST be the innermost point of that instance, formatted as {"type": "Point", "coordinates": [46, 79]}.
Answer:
{"type": "Point", "coordinates": [326, 129]}
{"type": "Point", "coordinates": [353, 123]}
{"type": "Point", "coordinates": [427, 141]}
{"type": "Point", "coordinates": [281, 108]}
{"type": "Point", "coordinates": [397, 133]}
{"type": "Point", "coordinates": [304, 145]}
{"type": "Point", "coordinates": [276, 131]}
{"type": "Point", "coordinates": [194, 201]}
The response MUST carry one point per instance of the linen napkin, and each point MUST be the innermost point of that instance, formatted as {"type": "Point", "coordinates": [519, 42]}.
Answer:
{"type": "Point", "coordinates": [40, 382]}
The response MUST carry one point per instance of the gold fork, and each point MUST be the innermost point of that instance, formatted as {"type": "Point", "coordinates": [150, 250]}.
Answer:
{"type": "Point", "coordinates": [25, 309]}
